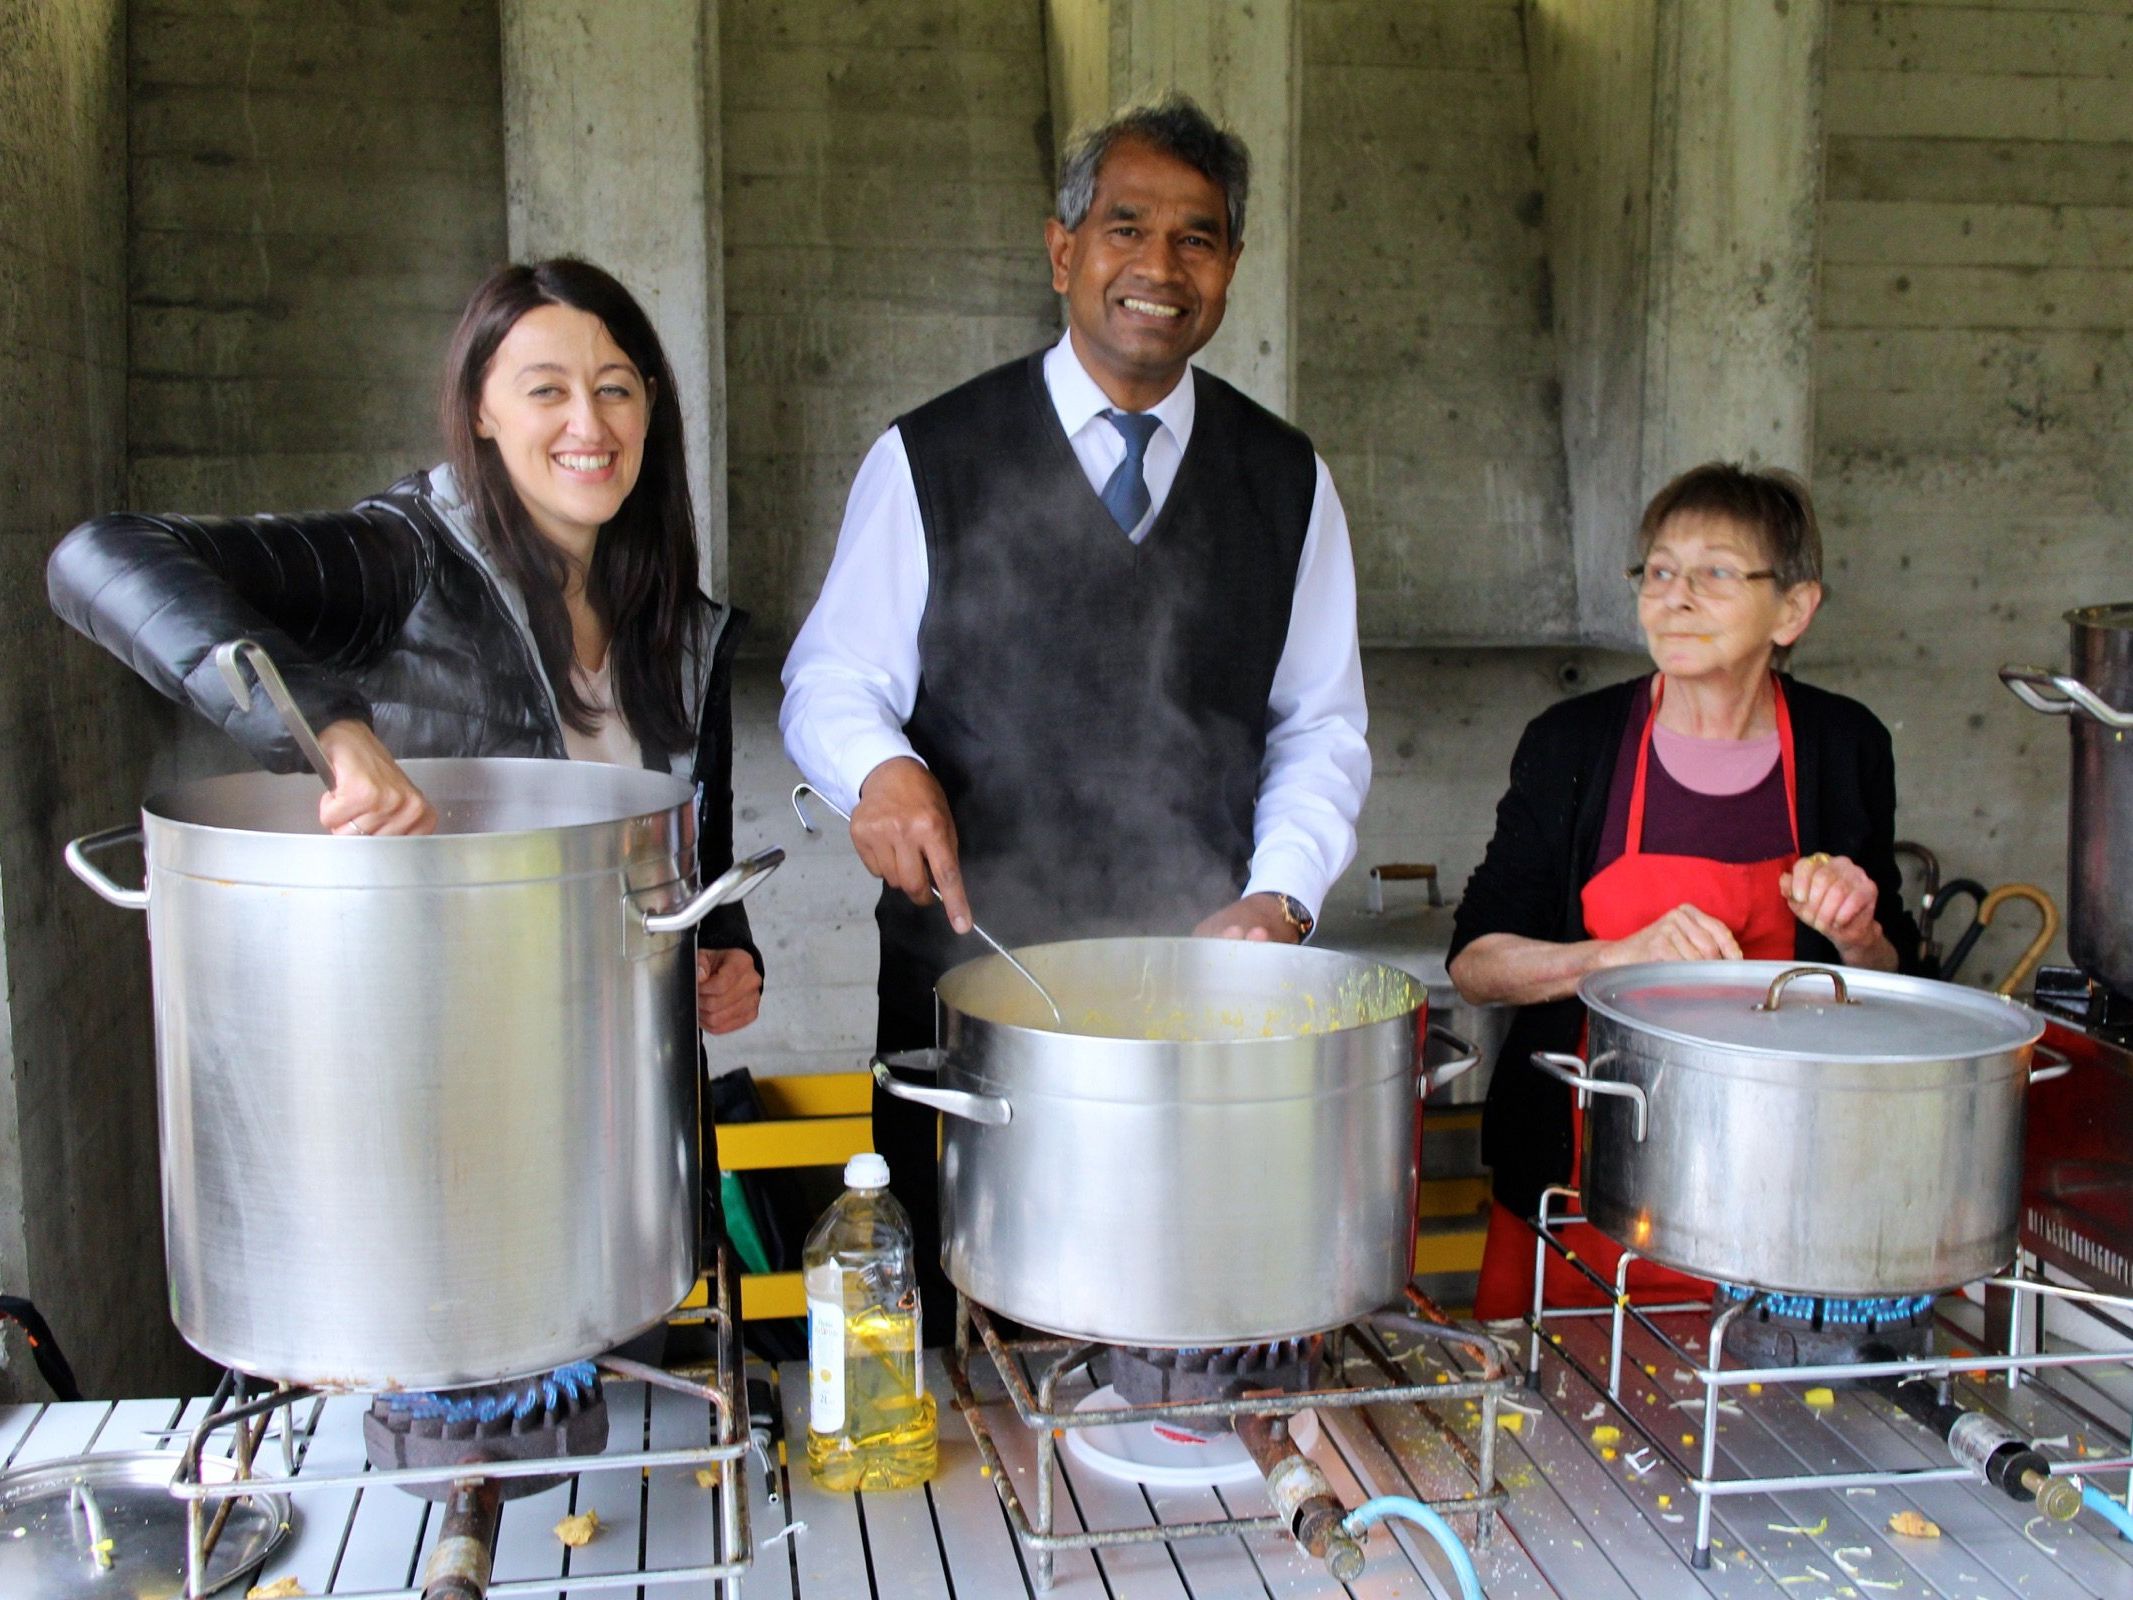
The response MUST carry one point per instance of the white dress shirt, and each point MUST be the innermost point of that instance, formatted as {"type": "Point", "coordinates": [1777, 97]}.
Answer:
{"type": "Point", "coordinates": [852, 677]}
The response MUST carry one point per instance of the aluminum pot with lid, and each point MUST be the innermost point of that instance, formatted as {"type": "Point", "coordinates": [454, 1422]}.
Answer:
{"type": "Point", "coordinates": [428, 1105]}
{"type": "Point", "coordinates": [1220, 1145]}
{"type": "Point", "coordinates": [1803, 1129]}
{"type": "Point", "coordinates": [2096, 698]}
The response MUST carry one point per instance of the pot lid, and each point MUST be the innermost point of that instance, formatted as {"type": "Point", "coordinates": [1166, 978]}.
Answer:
{"type": "Point", "coordinates": [1883, 1016]}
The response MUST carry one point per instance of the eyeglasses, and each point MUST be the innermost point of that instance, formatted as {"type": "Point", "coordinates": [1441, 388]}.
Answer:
{"type": "Point", "coordinates": [1708, 582]}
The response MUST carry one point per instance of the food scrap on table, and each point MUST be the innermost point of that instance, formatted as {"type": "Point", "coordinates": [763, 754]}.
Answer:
{"type": "Point", "coordinates": [706, 1477]}
{"type": "Point", "coordinates": [1914, 1525]}
{"type": "Point", "coordinates": [1606, 1434]}
{"type": "Point", "coordinates": [1805, 1530]}
{"type": "Point", "coordinates": [578, 1531]}
{"type": "Point", "coordinates": [1821, 1399]}
{"type": "Point", "coordinates": [279, 1589]}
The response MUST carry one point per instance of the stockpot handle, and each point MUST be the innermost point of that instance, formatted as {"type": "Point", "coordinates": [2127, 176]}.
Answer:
{"type": "Point", "coordinates": [1791, 975]}
{"type": "Point", "coordinates": [2068, 694]}
{"type": "Point", "coordinates": [80, 850]}
{"type": "Point", "coordinates": [728, 886]}
{"type": "Point", "coordinates": [988, 1109]}
{"type": "Point", "coordinates": [2058, 1067]}
{"type": "Point", "coordinates": [1465, 1057]}
{"type": "Point", "coordinates": [1577, 1073]}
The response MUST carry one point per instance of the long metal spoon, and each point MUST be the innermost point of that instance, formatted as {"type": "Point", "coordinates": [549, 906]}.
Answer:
{"type": "Point", "coordinates": [803, 792]}
{"type": "Point", "coordinates": [231, 659]}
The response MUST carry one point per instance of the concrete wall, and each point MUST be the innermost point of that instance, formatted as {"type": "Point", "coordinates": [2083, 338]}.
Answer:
{"type": "Point", "coordinates": [611, 153]}
{"type": "Point", "coordinates": [1426, 362]}
{"type": "Point", "coordinates": [315, 189]}
{"type": "Point", "coordinates": [1975, 398]}
{"type": "Point", "coordinates": [887, 177]}
{"type": "Point", "coordinates": [78, 1228]}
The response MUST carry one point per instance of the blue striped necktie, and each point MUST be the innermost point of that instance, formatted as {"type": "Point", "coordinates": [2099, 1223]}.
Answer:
{"type": "Point", "coordinates": [1125, 494]}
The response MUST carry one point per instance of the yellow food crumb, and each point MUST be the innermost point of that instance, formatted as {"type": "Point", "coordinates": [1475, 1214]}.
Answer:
{"type": "Point", "coordinates": [706, 1477]}
{"type": "Point", "coordinates": [1511, 1422]}
{"type": "Point", "coordinates": [1650, 1371]}
{"type": "Point", "coordinates": [279, 1589]}
{"type": "Point", "coordinates": [1607, 1453]}
{"type": "Point", "coordinates": [1820, 1399]}
{"type": "Point", "coordinates": [1606, 1433]}
{"type": "Point", "coordinates": [1912, 1525]}
{"type": "Point", "coordinates": [578, 1531]}
{"type": "Point", "coordinates": [1665, 1500]}
{"type": "Point", "coordinates": [1688, 1438]}
{"type": "Point", "coordinates": [1755, 1388]}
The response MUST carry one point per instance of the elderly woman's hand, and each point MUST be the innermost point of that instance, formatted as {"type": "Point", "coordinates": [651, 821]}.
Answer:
{"type": "Point", "coordinates": [372, 793]}
{"type": "Point", "coordinates": [1683, 934]}
{"type": "Point", "coordinates": [1834, 896]}
{"type": "Point", "coordinates": [729, 991]}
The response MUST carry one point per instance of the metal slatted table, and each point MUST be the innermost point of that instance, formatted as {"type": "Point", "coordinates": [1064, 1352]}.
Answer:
{"type": "Point", "coordinates": [1580, 1524]}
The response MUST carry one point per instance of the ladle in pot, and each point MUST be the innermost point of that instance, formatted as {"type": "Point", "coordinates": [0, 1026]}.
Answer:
{"type": "Point", "coordinates": [231, 660]}
{"type": "Point", "coordinates": [803, 792]}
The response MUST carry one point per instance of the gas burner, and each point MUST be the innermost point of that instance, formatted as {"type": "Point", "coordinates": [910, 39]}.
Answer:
{"type": "Point", "coordinates": [1798, 1330]}
{"type": "Point", "coordinates": [1146, 1377]}
{"type": "Point", "coordinates": [560, 1414]}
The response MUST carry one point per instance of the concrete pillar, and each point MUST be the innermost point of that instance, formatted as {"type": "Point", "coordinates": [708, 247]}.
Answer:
{"type": "Point", "coordinates": [1244, 65]}
{"type": "Point", "coordinates": [1681, 155]}
{"type": "Point", "coordinates": [611, 152]}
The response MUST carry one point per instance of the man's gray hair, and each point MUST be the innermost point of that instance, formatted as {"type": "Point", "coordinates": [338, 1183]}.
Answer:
{"type": "Point", "coordinates": [1177, 127]}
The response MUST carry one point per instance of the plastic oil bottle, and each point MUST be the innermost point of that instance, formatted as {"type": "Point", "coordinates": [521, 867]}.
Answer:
{"type": "Point", "coordinates": [870, 1422]}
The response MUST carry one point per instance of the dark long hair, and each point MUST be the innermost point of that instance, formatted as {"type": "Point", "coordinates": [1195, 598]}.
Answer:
{"type": "Point", "coordinates": [642, 583]}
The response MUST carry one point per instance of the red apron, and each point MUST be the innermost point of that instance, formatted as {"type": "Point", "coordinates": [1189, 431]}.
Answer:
{"type": "Point", "coordinates": [1630, 894]}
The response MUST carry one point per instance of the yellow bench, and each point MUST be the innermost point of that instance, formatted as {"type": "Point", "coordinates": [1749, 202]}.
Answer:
{"type": "Point", "coordinates": [823, 1119]}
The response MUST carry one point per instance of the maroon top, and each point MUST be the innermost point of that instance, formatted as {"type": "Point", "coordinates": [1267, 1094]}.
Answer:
{"type": "Point", "coordinates": [1754, 825]}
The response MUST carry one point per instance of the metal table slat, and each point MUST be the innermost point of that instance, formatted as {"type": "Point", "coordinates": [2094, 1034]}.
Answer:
{"type": "Point", "coordinates": [618, 1497]}
{"type": "Point", "coordinates": [135, 1425]}
{"type": "Point", "coordinates": [386, 1527]}
{"type": "Point", "coordinates": [526, 1545]}
{"type": "Point", "coordinates": [320, 1520]}
{"type": "Point", "coordinates": [1210, 1566]}
{"type": "Point", "coordinates": [1652, 1552]}
{"type": "Point", "coordinates": [65, 1429]}
{"type": "Point", "coordinates": [1077, 1574]}
{"type": "Point", "coordinates": [1147, 1571]}
{"type": "Point", "coordinates": [15, 1425]}
{"type": "Point", "coordinates": [976, 1541]}
{"type": "Point", "coordinates": [831, 1558]}
{"type": "Point", "coordinates": [680, 1515]}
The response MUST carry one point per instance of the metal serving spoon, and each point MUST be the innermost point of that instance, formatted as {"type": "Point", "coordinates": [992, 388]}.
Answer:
{"type": "Point", "coordinates": [803, 792]}
{"type": "Point", "coordinates": [247, 651]}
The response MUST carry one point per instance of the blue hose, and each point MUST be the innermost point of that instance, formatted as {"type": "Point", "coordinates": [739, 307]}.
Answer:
{"type": "Point", "coordinates": [2107, 1508]}
{"type": "Point", "coordinates": [1371, 1512]}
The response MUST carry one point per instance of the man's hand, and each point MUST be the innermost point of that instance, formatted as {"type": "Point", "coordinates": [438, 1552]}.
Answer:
{"type": "Point", "coordinates": [729, 991]}
{"type": "Point", "coordinates": [1256, 916]}
{"type": "Point", "coordinates": [905, 836]}
{"type": "Point", "coordinates": [1682, 934]}
{"type": "Point", "coordinates": [371, 794]}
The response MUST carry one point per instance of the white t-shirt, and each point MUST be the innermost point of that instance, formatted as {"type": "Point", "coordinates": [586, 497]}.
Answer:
{"type": "Point", "coordinates": [612, 740]}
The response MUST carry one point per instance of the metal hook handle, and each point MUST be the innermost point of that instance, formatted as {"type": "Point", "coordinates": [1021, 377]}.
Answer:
{"type": "Point", "coordinates": [732, 884]}
{"type": "Point", "coordinates": [802, 792]}
{"type": "Point", "coordinates": [989, 1110]}
{"type": "Point", "coordinates": [1577, 1073]}
{"type": "Point", "coordinates": [227, 659]}
{"type": "Point", "coordinates": [2030, 683]}
{"type": "Point", "coordinates": [1779, 983]}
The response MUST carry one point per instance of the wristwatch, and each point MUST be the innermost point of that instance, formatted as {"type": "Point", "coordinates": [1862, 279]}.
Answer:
{"type": "Point", "coordinates": [1294, 912]}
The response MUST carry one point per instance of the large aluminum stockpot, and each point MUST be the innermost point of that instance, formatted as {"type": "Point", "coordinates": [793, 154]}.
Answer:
{"type": "Point", "coordinates": [2097, 700]}
{"type": "Point", "coordinates": [1220, 1145]}
{"type": "Point", "coordinates": [428, 1105]}
{"type": "Point", "coordinates": [1802, 1128]}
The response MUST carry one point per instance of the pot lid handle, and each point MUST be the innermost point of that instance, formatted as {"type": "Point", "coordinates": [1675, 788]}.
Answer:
{"type": "Point", "coordinates": [1769, 1002]}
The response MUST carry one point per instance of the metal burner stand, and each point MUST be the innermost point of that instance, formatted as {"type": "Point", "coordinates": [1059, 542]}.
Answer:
{"type": "Point", "coordinates": [1559, 1208]}
{"type": "Point", "coordinates": [726, 1395]}
{"type": "Point", "coordinates": [1039, 1411]}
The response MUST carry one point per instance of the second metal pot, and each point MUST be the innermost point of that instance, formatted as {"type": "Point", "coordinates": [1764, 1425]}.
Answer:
{"type": "Point", "coordinates": [1803, 1129]}
{"type": "Point", "coordinates": [1221, 1146]}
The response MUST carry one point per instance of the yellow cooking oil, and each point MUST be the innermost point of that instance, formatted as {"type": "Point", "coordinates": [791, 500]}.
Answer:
{"type": "Point", "coordinates": [871, 1423]}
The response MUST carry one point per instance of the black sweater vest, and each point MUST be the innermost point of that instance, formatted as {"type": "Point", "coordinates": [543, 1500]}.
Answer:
{"type": "Point", "coordinates": [1096, 710]}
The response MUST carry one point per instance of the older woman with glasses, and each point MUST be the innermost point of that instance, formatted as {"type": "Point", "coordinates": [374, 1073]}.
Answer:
{"type": "Point", "coordinates": [1712, 810]}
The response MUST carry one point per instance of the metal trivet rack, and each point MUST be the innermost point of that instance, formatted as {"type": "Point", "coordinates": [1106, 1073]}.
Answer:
{"type": "Point", "coordinates": [1560, 1208]}
{"type": "Point", "coordinates": [232, 1406]}
{"type": "Point", "coordinates": [1054, 1359]}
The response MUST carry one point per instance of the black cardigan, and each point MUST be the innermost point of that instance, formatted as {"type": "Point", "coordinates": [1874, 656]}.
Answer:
{"type": "Point", "coordinates": [1547, 839]}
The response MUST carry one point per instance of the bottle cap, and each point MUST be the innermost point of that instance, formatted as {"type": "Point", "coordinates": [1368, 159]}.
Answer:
{"type": "Point", "coordinates": [866, 1171]}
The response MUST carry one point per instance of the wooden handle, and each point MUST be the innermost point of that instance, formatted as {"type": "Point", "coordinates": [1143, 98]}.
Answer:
{"type": "Point", "coordinates": [2033, 957]}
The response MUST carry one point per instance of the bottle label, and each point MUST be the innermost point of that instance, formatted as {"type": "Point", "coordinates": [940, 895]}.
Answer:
{"type": "Point", "coordinates": [825, 1366]}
